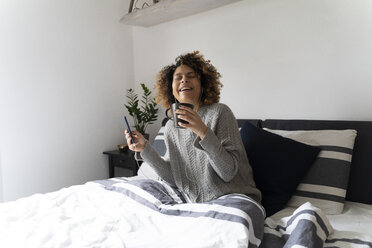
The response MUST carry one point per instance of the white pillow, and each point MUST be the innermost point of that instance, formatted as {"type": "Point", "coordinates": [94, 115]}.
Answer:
{"type": "Point", "coordinates": [146, 171]}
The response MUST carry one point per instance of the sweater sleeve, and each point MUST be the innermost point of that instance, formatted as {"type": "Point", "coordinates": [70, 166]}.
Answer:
{"type": "Point", "coordinates": [160, 164]}
{"type": "Point", "coordinates": [223, 146]}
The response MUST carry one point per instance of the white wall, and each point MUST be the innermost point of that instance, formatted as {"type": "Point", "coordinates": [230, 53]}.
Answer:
{"type": "Point", "coordinates": [1, 180]}
{"type": "Point", "coordinates": [64, 68]}
{"type": "Point", "coordinates": [278, 58]}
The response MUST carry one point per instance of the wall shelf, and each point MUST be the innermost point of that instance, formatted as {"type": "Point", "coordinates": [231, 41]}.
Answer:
{"type": "Point", "coordinates": [167, 10]}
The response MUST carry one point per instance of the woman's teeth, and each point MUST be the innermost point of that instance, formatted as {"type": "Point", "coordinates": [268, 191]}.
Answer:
{"type": "Point", "coordinates": [183, 89]}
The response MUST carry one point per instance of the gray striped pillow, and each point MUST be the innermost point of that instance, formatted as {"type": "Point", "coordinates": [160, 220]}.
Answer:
{"type": "Point", "coordinates": [326, 181]}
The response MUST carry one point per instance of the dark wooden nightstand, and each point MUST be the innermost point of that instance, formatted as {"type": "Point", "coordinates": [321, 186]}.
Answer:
{"type": "Point", "coordinates": [122, 160]}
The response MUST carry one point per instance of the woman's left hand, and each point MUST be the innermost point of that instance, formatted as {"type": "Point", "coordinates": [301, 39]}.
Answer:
{"type": "Point", "coordinates": [194, 121]}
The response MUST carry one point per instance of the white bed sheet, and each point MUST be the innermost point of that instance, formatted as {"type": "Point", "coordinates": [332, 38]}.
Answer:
{"type": "Point", "coordinates": [356, 217]}
{"type": "Point", "coordinates": [85, 216]}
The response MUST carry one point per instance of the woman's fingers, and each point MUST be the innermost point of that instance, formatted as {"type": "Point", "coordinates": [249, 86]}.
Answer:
{"type": "Point", "coordinates": [139, 141]}
{"type": "Point", "coordinates": [195, 123]}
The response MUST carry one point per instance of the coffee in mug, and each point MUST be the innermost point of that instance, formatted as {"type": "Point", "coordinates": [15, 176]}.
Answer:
{"type": "Point", "coordinates": [174, 115]}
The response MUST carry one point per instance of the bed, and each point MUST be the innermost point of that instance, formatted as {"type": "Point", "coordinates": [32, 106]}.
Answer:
{"type": "Point", "coordinates": [330, 205]}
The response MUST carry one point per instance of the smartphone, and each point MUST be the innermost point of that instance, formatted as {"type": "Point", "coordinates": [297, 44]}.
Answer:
{"type": "Point", "coordinates": [130, 131]}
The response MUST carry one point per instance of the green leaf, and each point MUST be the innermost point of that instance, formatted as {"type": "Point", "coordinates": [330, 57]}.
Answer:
{"type": "Point", "coordinates": [143, 114]}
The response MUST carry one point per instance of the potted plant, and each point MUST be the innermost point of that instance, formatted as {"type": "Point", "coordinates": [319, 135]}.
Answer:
{"type": "Point", "coordinates": [145, 114]}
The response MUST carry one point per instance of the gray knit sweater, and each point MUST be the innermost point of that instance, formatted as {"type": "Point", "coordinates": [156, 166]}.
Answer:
{"type": "Point", "coordinates": [208, 168]}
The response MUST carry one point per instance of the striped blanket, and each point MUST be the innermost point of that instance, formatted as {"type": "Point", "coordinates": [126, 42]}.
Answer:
{"type": "Point", "coordinates": [234, 220]}
{"type": "Point", "coordinates": [132, 212]}
{"type": "Point", "coordinates": [307, 226]}
{"type": "Point", "coordinates": [241, 221]}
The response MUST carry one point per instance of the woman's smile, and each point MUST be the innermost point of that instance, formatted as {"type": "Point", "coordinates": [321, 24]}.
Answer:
{"type": "Point", "coordinates": [185, 90]}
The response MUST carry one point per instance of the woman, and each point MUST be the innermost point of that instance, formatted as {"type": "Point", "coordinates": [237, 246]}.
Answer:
{"type": "Point", "coordinates": [206, 159]}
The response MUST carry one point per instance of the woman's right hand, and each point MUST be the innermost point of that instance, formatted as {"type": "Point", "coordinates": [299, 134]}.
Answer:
{"type": "Point", "coordinates": [139, 140]}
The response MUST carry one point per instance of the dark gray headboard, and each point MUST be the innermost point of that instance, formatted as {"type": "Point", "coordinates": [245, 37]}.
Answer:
{"type": "Point", "coordinates": [360, 181]}
{"type": "Point", "coordinates": [255, 122]}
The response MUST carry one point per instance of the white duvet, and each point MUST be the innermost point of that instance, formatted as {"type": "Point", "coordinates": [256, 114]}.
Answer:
{"type": "Point", "coordinates": [147, 214]}
{"type": "Point", "coordinates": [90, 216]}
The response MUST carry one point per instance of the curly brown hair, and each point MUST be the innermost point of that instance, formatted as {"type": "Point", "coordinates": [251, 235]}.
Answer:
{"type": "Point", "coordinates": [208, 74]}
